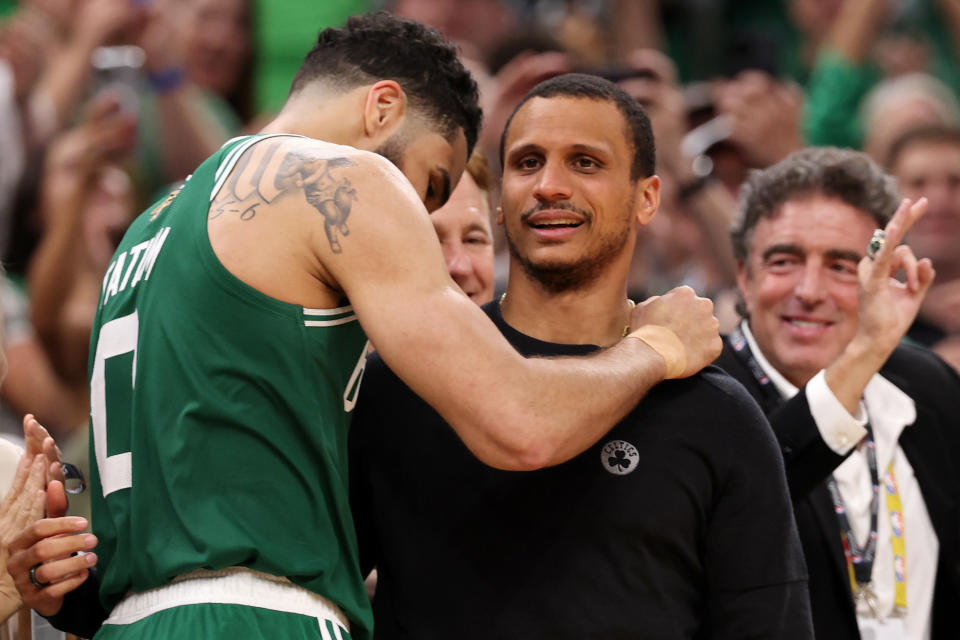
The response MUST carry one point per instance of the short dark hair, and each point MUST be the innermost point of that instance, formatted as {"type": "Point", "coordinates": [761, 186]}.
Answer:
{"type": "Point", "coordinates": [925, 134]}
{"type": "Point", "coordinates": [850, 176]}
{"type": "Point", "coordinates": [380, 46]}
{"type": "Point", "coordinates": [589, 87]}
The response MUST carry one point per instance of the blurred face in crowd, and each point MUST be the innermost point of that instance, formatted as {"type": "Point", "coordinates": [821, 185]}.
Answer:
{"type": "Point", "coordinates": [896, 119]}
{"type": "Point", "coordinates": [569, 207]}
{"type": "Point", "coordinates": [217, 43]}
{"type": "Point", "coordinates": [800, 283]}
{"type": "Point", "coordinates": [463, 227]}
{"type": "Point", "coordinates": [932, 169]}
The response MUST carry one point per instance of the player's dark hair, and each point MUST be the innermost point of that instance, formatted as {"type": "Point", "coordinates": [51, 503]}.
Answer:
{"type": "Point", "coordinates": [589, 87]}
{"type": "Point", "coordinates": [380, 46]}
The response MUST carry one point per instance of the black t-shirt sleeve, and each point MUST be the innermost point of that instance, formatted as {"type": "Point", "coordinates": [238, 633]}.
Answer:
{"type": "Point", "coordinates": [755, 572]}
{"type": "Point", "coordinates": [82, 614]}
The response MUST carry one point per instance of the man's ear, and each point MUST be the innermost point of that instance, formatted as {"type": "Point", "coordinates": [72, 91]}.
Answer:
{"type": "Point", "coordinates": [384, 110]}
{"type": "Point", "coordinates": [647, 199]}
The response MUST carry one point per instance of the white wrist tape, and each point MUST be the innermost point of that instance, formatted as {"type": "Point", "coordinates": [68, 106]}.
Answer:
{"type": "Point", "coordinates": [666, 343]}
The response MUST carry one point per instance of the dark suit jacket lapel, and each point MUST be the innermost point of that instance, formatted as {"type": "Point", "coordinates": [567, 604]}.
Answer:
{"type": "Point", "coordinates": [822, 505]}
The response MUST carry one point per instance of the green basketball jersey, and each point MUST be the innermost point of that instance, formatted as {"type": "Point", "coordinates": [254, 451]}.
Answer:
{"type": "Point", "coordinates": [219, 415]}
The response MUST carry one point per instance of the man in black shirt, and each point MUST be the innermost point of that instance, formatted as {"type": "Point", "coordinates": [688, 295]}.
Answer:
{"type": "Point", "coordinates": [676, 524]}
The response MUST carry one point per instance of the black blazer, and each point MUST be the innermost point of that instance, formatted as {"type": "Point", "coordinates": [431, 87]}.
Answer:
{"type": "Point", "coordinates": [931, 444]}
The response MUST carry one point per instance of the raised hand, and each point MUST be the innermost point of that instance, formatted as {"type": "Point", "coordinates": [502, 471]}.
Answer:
{"type": "Point", "coordinates": [50, 545]}
{"type": "Point", "coordinates": [888, 306]}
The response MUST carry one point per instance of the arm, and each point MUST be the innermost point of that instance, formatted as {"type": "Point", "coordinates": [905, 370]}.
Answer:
{"type": "Point", "coordinates": [512, 413]}
{"type": "Point", "coordinates": [189, 132]}
{"type": "Point", "coordinates": [764, 115]}
{"type": "Point", "coordinates": [68, 74]}
{"type": "Point", "coordinates": [33, 382]}
{"type": "Point", "coordinates": [840, 78]}
{"type": "Point", "coordinates": [73, 166]}
{"type": "Point", "coordinates": [887, 308]}
{"type": "Point", "coordinates": [710, 204]}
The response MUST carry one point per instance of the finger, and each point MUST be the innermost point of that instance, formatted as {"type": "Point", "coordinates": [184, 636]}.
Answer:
{"type": "Point", "coordinates": [101, 106]}
{"type": "Point", "coordinates": [47, 550]}
{"type": "Point", "coordinates": [34, 506]}
{"type": "Point", "coordinates": [60, 589]}
{"type": "Point", "coordinates": [903, 258]}
{"type": "Point", "coordinates": [25, 503]}
{"type": "Point", "coordinates": [882, 260]}
{"type": "Point", "coordinates": [45, 528]}
{"type": "Point", "coordinates": [57, 570]}
{"type": "Point", "coordinates": [33, 434]}
{"type": "Point", "coordinates": [925, 275]}
{"type": "Point", "coordinates": [51, 450]}
{"type": "Point", "coordinates": [907, 213]}
{"type": "Point", "coordinates": [55, 472]}
{"type": "Point", "coordinates": [57, 502]}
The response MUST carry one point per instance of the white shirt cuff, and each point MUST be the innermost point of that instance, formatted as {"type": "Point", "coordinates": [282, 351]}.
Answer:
{"type": "Point", "coordinates": [839, 430]}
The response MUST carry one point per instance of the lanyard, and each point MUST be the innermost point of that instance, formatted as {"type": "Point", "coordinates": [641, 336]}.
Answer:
{"type": "Point", "coordinates": [741, 348]}
{"type": "Point", "coordinates": [859, 561]}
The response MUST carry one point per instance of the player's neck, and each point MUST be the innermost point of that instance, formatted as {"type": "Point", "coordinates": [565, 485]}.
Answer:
{"type": "Point", "coordinates": [320, 115]}
{"type": "Point", "coordinates": [596, 314]}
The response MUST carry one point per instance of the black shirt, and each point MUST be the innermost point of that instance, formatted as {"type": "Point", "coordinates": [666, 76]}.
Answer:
{"type": "Point", "coordinates": [676, 524]}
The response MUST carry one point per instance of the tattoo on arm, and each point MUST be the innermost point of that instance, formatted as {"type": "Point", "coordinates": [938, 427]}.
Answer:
{"type": "Point", "coordinates": [265, 173]}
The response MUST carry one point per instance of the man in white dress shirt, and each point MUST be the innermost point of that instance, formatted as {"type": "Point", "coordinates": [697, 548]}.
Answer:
{"type": "Point", "coordinates": [868, 427]}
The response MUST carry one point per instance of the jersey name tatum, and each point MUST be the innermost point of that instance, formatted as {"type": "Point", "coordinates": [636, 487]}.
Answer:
{"type": "Point", "coordinates": [132, 266]}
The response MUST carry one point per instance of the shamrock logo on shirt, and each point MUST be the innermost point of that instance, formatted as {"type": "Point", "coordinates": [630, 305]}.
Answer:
{"type": "Point", "coordinates": [619, 457]}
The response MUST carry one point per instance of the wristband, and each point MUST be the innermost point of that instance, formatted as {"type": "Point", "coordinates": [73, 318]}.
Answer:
{"type": "Point", "coordinates": [166, 80]}
{"type": "Point", "coordinates": [667, 345]}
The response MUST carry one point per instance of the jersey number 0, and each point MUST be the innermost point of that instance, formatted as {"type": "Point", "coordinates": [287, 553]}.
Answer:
{"type": "Point", "coordinates": [117, 337]}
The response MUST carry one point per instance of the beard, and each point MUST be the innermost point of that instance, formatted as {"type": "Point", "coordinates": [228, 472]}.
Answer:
{"type": "Point", "coordinates": [563, 275]}
{"type": "Point", "coordinates": [393, 150]}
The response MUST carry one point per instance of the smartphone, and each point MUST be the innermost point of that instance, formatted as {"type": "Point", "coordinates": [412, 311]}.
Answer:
{"type": "Point", "coordinates": [118, 70]}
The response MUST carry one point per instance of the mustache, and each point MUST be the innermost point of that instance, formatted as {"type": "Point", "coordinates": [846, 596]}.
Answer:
{"type": "Point", "coordinates": [564, 205]}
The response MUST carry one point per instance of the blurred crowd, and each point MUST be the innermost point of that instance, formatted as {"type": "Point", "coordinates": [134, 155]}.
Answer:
{"type": "Point", "coordinates": [105, 105]}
